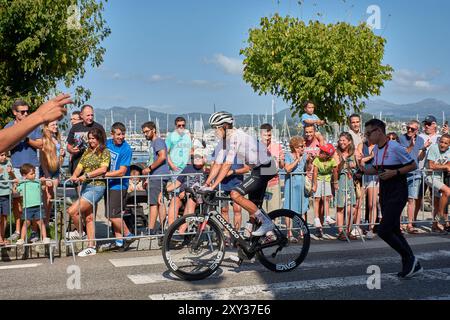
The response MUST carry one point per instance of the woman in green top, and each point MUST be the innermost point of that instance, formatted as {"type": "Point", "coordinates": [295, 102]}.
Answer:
{"type": "Point", "coordinates": [93, 164]}
{"type": "Point", "coordinates": [345, 196]}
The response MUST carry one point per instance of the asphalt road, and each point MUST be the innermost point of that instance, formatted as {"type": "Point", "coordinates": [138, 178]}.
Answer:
{"type": "Point", "coordinates": [332, 270]}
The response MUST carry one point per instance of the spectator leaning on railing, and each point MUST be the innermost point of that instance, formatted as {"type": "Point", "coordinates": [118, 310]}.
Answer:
{"type": "Point", "coordinates": [438, 160]}
{"type": "Point", "coordinates": [121, 154]}
{"type": "Point", "coordinates": [157, 165]}
{"type": "Point", "coordinates": [192, 174]}
{"type": "Point", "coordinates": [414, 145]}
{"type": "Point", "coordinates": [93, 164]}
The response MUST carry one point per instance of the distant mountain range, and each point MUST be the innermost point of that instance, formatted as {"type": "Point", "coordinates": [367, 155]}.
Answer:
{"type": "Point", "coordinates": [388, 110]}
{"type": "Point", "coordinates": [409, 111]}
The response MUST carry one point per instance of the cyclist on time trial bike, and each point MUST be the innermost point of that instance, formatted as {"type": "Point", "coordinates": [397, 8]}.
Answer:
{"type": "Point", "coordinates": [235, 142]}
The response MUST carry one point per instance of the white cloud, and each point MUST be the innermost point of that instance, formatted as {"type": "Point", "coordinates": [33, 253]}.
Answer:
{"type": "Point", "coordinates": [159, 78]}
{"type": "Point", "coordinates": [201, 84]}
{"type": "Point", "coordinates": [408, 81]}
{"type": "Point", "coordinates": [227, 64]}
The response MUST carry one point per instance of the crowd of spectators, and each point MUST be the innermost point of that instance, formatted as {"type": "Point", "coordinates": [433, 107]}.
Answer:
{"type": "Point", "coordinates": [312, 172]}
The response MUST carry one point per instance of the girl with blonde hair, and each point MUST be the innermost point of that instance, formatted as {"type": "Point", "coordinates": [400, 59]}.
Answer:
{"type": "Point", "coordinates": [51, 158]}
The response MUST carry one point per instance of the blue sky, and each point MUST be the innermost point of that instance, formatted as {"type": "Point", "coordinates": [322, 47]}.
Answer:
{"type": "Point", "coordinates": [177, 56]}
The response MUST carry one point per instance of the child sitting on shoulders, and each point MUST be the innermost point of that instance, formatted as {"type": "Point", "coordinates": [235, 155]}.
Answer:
{"type": "Point", "coordinates": [310, 118]}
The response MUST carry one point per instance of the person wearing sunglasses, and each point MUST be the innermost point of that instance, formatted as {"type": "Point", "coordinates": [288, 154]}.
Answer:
{"type": "Point", "coordinates": [179, 146]}
{"type": "Point", "coordinates": [391, 163]}
{"type": "Point", "coordinates": [431, 137]}
{"type": "Point", "coordinates": [414, 145]}
{"type": "Point", "coordinates": [26, 151]}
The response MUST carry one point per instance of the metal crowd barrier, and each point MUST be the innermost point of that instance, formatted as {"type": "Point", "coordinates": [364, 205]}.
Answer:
{"type": "Point", "coordinates": [361, 204]}
{"type": "Point", "coordinates": [11, 220]}
{"type": "Point", "coordinates": [139, 234]}
{"type": "Point", "coordinates": [106, 237]}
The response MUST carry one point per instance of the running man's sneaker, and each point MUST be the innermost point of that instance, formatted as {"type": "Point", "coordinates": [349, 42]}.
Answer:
{"type": "Point", "coordinates": [411, 268]}
{"type": "Point", "coordinates": [87, 252]}
{"type": "Point", "coordinates": [265, 227]}
{"type": "Point", "coordinates": [15, 236]}
{"type": "Point", "coordinates": [317, 223]}
{"type": "Point", "coordinates": [329, 220]}
{"type": "Point", "coordinates": [34, 237]}
{"type": "Point", "coordinates": [20, 242]}
{"type": "Point", "coordinates": [46, 241]}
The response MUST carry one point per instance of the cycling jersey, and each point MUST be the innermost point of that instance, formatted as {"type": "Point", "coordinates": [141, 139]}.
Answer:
{"type": "Point", "coordinates": [252, 152]}
{"type": "Point", "coordinates": [246, 148]}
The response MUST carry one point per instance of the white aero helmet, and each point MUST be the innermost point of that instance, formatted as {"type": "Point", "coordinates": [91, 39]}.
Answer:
{"type": "Point", "coordinates": [219, 118]}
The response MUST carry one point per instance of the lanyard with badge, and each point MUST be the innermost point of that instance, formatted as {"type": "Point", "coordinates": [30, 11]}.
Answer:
{"type": "Point", "coordinates": [382, 159]}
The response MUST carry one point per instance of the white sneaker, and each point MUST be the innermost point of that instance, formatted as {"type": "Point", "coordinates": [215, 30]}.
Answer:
{"type": "Point", "coordinates": [356, 232]}
{"type": "Point", "coordinates": [317, 223]}
{"type": "Point", "coordinates": [330, 220]}
{"type": "Point", "coordinates": [46, 241]}
{"type": "Point", "coordinates": [75, 235]}
{"type": "Point", "coordinates": [87, 252]}
{"type": "Point", "coordinates": [20, 242]}
{"type": "Point", "coordinates": [266, 226]}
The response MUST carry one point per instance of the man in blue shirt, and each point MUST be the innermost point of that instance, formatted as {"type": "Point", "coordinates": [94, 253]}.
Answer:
{"type": "Point", "coordinates": [414, 145]}
{"type": "Point", "coordinates": [121, 155]}
{"type": "Point", "coordinates": [156, 166]}
{"type": "Point", "coordinates": [23, 152]}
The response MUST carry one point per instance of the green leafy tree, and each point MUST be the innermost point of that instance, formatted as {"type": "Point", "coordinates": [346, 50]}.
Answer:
{"type": "Point", "coordinates": [334, 65]}
{"type": "Point", "coordinates": [47, 43]}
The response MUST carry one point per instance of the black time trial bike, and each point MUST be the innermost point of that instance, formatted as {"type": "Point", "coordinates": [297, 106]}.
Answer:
{"type": "Point", "coordinates": [193, 247]}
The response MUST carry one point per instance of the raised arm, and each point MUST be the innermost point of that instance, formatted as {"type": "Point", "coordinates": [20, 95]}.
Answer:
{"type": "Point", "coordinates": [54, 109]}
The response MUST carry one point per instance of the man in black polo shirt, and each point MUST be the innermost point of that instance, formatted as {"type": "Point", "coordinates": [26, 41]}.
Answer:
{"type": "Point", "coordinates": [391, 163]}
{"type": "Point", "coordinates": [77, 141]}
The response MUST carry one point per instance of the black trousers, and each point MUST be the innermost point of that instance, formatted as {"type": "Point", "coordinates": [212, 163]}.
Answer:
{"type": "Point", "coordinates": [393, 198]}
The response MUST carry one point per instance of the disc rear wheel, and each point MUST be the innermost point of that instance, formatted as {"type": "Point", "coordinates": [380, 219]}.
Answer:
{"type": "Point", "coordinates": [292, 235]}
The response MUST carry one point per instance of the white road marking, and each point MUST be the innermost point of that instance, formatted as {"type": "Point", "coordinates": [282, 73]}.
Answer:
{"type": "Point", "coordinates": [144, 261]}
{"type": "Point", "coordinates": [332, 247]}
{"type": "Point", "coordinates": [270, 291]}
{"type": "Point", "coordinates": [256, 268]}
{"type": "Point", "coordinates": [21, 266]}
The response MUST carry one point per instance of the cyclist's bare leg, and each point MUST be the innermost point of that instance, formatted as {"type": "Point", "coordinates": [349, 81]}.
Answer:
{"type": "Point", "coordinates": [244, 203]}
{"type": "Point", "coordinates": [237, 213]}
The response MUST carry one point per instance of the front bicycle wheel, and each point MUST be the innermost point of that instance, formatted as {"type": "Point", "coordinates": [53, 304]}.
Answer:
{"type": "Point", "coordinates": [292, 238]}
{"type": "Point", "coordinates": [189, 254]}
